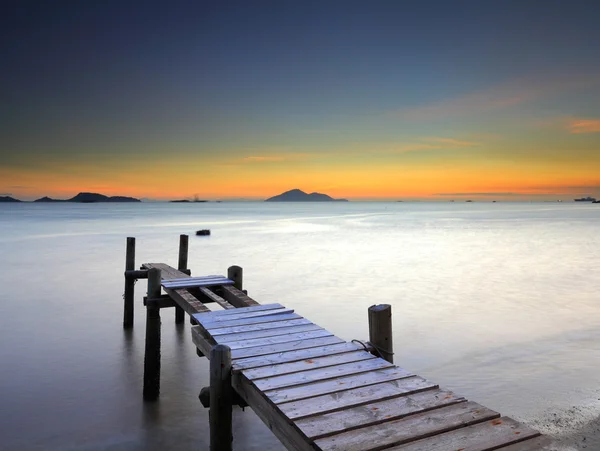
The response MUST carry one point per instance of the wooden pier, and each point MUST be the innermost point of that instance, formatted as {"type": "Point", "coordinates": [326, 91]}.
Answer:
{"type": "Point", "coordinates": [315, 391]}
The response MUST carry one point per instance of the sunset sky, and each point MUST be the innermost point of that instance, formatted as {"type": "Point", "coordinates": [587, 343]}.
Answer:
{"type": "Point", "coordinates": [364, 100]}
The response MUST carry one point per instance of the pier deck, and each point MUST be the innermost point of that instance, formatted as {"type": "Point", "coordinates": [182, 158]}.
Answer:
{"type": "Point", "coordinates": [319, 392]}
{"type": "Point", "coordinates": [315, 391]}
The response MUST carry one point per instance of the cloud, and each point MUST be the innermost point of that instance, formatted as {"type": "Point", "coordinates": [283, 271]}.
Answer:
{"type": "Point", "coordinates": [577, 126]}
{"type": "Point", "coordinates": [497, 97]}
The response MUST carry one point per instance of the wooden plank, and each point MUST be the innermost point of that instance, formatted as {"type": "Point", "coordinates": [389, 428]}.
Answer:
{"type": "Point", "coordinates": [203, 343]}
{"type": "Point", "coordinates": [209, 320]}
{"type": "Point", "coordinates": [264, 333]}
{"type": "Point", "coordinates": [293, 356]}
{"type": "Point", "coordinates": [535, 444]}
{"type": "Point", "coordinates": [254, 308]}
{"type": "Point", "coordinates": [216, 298]}
{"type": "Point", "coordinates": [336, 385]}
{"type": "Point", "coordinates": [187, 301]}
{"type": "Point", "coordinates": [237, 297]}
{"type": "Point", "coordinates": [303, 365]}
{"type": "Point", "coordinates": [282, 347]}
{"type": "Point", "coordinates": [408, 429]}
{"type": "Point", "coordinates": [249, 321]}
{"type": "Point", "coordinates": [183, 279]}
{"type": "Point", "coordinates": [197, 283]}
{"type": "Point", "coordinates": [264, 341]}
{"type": "Point", "coordinates": [486, 436]}
{"type": "Point", "coordinates": [260, 327]}
{"type": "Point", "coordinates": [282, 428]}
{"type": "Point", "coordinates": [355, 397]}
{"type": "Point", "coordinates": [320, 374]}
{"type": "Point", "coordinates": [374, 413]}
{"type": "Point", "coordinates": [167, 272]}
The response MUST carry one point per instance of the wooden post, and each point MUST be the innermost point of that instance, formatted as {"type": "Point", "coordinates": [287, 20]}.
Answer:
{"type": "Point", "coordinates": [152, 352]}
{"type": "Point", "coordinates": [380, 330]}
{"type": "Point", "coordinates": [182, 266]}
{"type": "Point", "coordinates": [236, 274]}
{"type": "Point", "coordinates": [221, 398]}
{"type": "Point", "coordinates": [129, 284]}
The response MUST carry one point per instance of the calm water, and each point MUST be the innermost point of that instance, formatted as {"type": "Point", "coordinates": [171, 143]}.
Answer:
{"type": "Point", "coordinates": [499, 302]}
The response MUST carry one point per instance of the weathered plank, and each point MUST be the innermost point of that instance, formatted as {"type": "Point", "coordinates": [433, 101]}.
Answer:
{"type": "Point", "coordinates": [183, 279]}
{"type": "Point", "coordinates": [216, 298]}
{"type": "Point", "coordinates": [335, 385]}
{"type": "Point", "coordinates": [263, 341]}
{"type": "Point", "coordinates": [266, 333]}
{"type": "Point", "coordinates": [254, 308]}
{"type": "Point", "coordinates": [282, 347]}
{"type": "Point", "coordinates": [260, 327]}
{"type": "Point", "coordinates": [283, 429]}
{"type": "Point", "coordinates": [534, 444]}
{"type": "Point", "coordinates": [377, 412]}
{"type": "Point", "coordinates": [250, 321]}
{"type": "Point", "coordinates": [303, 365]}
{"type": "Point", "coordinates": [293, 356]}
{"type": "Point", "coordinates": [355, 397]}
{"type": "Point", "coordinates": [237, 297]}
{"type": "Point", "coordinates": [486, 436]}
{"type": "Point", "coordinates": [209, 320]}
{"type": "Point", "coordinates": [320, 374]}
{"type": "Point", "coordinates": [408, 429]}
{"type": "Point", "coordinates": [203, 343]}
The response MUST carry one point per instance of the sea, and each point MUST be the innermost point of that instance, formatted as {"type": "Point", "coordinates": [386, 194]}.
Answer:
{"type": "Point", "coordinates": [499, 302]}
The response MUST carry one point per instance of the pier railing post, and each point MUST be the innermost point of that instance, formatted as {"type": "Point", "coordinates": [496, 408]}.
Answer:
{"type": "Point", "coordinates": [380, 330]}
{"type": "Point", "coordinates": [221, 397]}
{"type": "Point", "coordinates": [152, 352]}
{"type": "Point", "coordinates": [182, 265]}
{"type": "Point", "coordinates": [129, 284]}
{"type": "Point", "coordinates": [236, 274]}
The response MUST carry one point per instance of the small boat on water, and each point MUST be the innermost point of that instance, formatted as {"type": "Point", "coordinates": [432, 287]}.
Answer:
{"type": "Point", "coordinates": [585, 199]}
{"type": "Point", "coordinates": [203, 232]}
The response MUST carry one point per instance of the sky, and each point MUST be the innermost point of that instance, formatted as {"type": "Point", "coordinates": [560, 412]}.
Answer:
{"type": "Point", "coordinates": [366, 100]}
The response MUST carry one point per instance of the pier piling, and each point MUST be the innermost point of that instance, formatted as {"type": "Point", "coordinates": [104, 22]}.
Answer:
{"type": "Point", "coordinates": [236, 273]}
{"type": "Point", "coordinates": [152, 351]}
{"type": "Point", "coordinates": [221, 397]}
{"type": "Point", "coordinates": [182, 266]}
{"type": "Point", "coordinates": [380, 330]}
{"type": "Point", "coordinates": [129, 284]}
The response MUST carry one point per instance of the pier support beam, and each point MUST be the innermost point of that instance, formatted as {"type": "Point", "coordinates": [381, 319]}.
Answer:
{"type": "Point", "coordinates": [152, 352]}
{"type": "Point", "coordinates": [236, 274]}
{"type": "Point", "coordinates": [182, 266]}
{"type": "Point", "coordinates": [129, 285]}
{"type": "Point", "coordinates": [380, 330]}
{"type": "Point", "coordinates": [221, 397]}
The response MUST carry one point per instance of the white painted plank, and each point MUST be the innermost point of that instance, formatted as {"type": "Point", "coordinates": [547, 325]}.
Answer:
{"type": "Point", "coordinates": [293, 356]}
{"type": "Point", "coordinates": [210, 320]}
{"type": "Point", "coordinates": [305, 364]}
{"type": "Point", "coordinates": [265, 333]}
{"type": "Point", "coordinates": [354, 397]}
{"type": "Point", "coordinates": [321, 374]}
{"type": "Point", "coordinates": [376, 412]}
{"type": "Point", "coordinates": [236, 311]}
{"type": "Point", "coordinates": [490, 435]}
{"type": "Point", "coordinates": [408, 429]}
{"type": "Point", "coordinates": [251, 321]}
{"type": "Point", "coordinates": [335, 385]}
{"type": "Point", "coordinates": [282, 347]}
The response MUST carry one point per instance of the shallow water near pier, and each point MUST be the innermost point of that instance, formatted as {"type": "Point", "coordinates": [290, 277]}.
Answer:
{"type": "Point", "coordinates": [498, 302]}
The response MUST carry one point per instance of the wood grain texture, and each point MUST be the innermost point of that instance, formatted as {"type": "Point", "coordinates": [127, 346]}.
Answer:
{"type": "Point", "coordinates": [294, 355]}
{"type": "Point", "coordinates": [355, 397]}
{"type": "Point", "coordinates": [237, 311]}
{"type": "Point", "coordinates": [211, 320]}
{"type": "Point", "coordinates": [408, 429]}
{"type": "Point", "coordinates": [250, 321]}
{"type": "Point", "coordinates": [264, 341]}
{"type": "Point", "coordinates": [265, 333]}
{"type": "Point", "coordinates": [237, 297]}
{"type": "Point", "coordinates": [376, 412]}
{"type": "Point", "coordinates": [336, 385]}
{"type": "Point", "coordinates": [486, 436]}
{"type": "Point", "coordinates": [320, 374]}
{"type": "Point", "coordinates": [282, 347]}
{"type": "Point", "coordinates": [534, 444]}
{"type": "Point", "coordinates": [303, 365]}
{"type": "Point", "coordinates": [260, 327]}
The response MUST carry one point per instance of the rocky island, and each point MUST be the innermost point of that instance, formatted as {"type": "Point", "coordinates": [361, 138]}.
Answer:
{"type": "Point", "coordinates": [81, 198]}
{"type": "Point", "coordinates": [297, 195]}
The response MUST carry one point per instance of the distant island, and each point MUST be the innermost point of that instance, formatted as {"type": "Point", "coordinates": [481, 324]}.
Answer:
{"type": "Point", "coordinates": [81, 198]}
{"type": "Point", "coordinates": [297, 195]}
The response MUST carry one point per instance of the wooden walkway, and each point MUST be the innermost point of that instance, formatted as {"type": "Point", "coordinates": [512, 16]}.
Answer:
{"type": "Point", "coordinates": [318, 392]}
